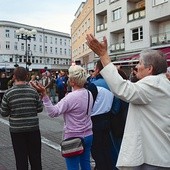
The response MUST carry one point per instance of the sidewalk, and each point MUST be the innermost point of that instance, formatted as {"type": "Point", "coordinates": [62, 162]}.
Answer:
{"type": "Point", "coordinates": [51, 158]}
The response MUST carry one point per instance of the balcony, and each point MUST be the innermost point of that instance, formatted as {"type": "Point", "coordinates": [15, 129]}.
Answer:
{"type": "Point", "coordinates": [101, 27]}
{"type": "Point", "coordinates": [117, 47]}
{"type": "Point", "coordinates": [135, 14]}
{"type": "Point", "coordinates": [160, 39]}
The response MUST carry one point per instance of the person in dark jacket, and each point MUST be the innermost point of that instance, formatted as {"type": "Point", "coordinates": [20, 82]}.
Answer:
{"type": "Point", "coordinates": [102, 147]}
{"type": "Point", "coordinates": [4, 84]}
{"type": "Point", "coordinates": [61, 83]}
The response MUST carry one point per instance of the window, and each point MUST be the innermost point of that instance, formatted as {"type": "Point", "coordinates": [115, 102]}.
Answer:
{"type": "Point", "coordinates": [55, 40]}
{"type": "Point", "coordinates": [15, 36]}
{"type": "Point", "coordinates": [33, 59]}
{"type": "Point", "coordinates": [137, 34]}
{"type": "Point", "coordinates": [61, 51]}
{"type": "Point", "coordinates": [40, 59]}
{"type": "Point", "coordinates": [60, 41]}
{"type": "Point", "coordinates": [7, 33]}
{"type": "Point", "coordinates": [67, 61]}
{"type": "Point", "coordinates": [85, 27]}
{"type": "Point", "coordinates": [157, 2]}
{"type": "Point", "coordinates": [46, 49]}
{"type": "Point", "coordinates": [35, 48]}
{"type": "Point", "coordinates": [51, 50]}
{"type": "Point", "coordinates": [45, 39]}
{"type": "Point", "coordinates": [7, 45]}
{"type": "Point", "coordinates": [40, 48]}
{"type": "Point", "coordinates": [58, 61]}
{"type": "Point", "coordinates": [51, 40]}
{"type": "Point", "coordinates": [22, 46]}
{"type": "Point", "coordinates": [29, 47]}
{"type": "Point", "coordinates": [83, 47]}
{"type": "Point", "coordinates": [117, 14]}
{"type": "Point", "coordinates": [15, 46]}
{"type": "Point", "coordinates": [88, 23]}
{"type": "Point", "coordinates": [40, 38]}
{"type": "Point", "coordinates": [56, 50]}
{"type": "Point", "coordinates": [54, 60]}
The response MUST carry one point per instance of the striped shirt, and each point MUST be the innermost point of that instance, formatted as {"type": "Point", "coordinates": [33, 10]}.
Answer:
{"type": "Point", "coordinates": [21, 103]}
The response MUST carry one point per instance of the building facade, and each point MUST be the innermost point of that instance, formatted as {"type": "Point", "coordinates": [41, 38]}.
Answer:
{"type": "Point", "coordinates": [50, 49]}
{"type": "Point", "coordinates": [82, 25]}
{"type": "Point", "coordinates": [131, 26]}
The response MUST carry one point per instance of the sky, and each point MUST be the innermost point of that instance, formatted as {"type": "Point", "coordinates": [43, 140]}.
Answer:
{"type": "Point", "coordinates": [55, 15]}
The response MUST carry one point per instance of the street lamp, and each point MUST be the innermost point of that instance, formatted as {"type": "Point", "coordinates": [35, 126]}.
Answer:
{"type": "Point", "coordinates": [16, 61]}
{"type": "Point", "coordinates": [26, 35]}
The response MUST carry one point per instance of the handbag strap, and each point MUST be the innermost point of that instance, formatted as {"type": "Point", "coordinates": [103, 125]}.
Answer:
{"type": "Point", "coordinates": [88, 102]}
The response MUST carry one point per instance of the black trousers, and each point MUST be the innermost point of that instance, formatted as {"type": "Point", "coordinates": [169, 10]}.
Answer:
{"type": "Point", "coordinates": [61, 94]}
{"type": "Point", "coordinates": [27, 147]}
{"type": "Point", "coordinates": [102, 147]}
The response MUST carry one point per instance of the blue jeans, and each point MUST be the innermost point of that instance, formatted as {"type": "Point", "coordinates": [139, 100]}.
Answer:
{"type": "Point", "coordinates": [83, 161]}
{"type": "Point", "coordinates": [53, 95]}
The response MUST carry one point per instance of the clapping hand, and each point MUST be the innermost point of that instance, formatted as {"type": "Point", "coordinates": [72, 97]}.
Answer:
{"type": "Point", "coordinates": [39, 87]}
{"type": "Point", "coordinates": [100, 48]}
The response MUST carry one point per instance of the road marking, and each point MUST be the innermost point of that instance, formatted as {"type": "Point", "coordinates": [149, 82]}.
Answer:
{"type": "Point", "coordinates": [43, 139]}
{"type": "Point", "coordinates": [4, 121]}
{"type": "Point", "coordinates": [51, 144]}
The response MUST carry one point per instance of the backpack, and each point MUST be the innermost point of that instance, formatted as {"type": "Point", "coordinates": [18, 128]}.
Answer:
{"type": "Point", "coordinates": [118, 116]}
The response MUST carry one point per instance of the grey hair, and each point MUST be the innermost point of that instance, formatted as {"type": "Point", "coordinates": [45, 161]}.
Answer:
{"type": "Point", "coordinates": [78, 75]}
{"type": "Point", "coordinates": [156, 59]}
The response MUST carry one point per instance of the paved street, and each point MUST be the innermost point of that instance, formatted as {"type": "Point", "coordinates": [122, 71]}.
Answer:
{"type": "Point", "coordinates": [51, 131]}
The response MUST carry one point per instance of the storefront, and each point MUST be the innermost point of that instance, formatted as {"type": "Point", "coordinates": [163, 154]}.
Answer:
{"type": "Point", "coordinates": [127, 63]}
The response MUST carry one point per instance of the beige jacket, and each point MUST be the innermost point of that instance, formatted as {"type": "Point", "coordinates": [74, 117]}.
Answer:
{"type": "Point", "coordinates": [147, 131]}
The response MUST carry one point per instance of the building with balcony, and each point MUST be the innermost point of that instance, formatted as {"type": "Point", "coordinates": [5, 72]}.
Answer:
{"type": "Point", "coordinates": [50, 49]}
{"type": "Point", "coordinates": [83, 24]}
{"type": "Point", "coordinates": [131, 26]}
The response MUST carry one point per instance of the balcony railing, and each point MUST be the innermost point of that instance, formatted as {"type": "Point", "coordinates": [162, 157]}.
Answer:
{"type": "Point", "coordinates": [101, 27]}
{"type": "Point", "coordinates": [160, 39]}
{"type": "Point", "coordinates": [135, 14]}
{"type": "Point", "coordinates": [117, 47]}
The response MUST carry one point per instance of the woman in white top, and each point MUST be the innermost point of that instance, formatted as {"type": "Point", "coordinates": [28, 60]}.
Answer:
{"type": "Point", "coordinates": [146, 140]}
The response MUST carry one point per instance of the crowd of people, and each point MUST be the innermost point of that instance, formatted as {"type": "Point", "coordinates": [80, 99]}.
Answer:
{"type": "Point", "coordinates": [123, 121]}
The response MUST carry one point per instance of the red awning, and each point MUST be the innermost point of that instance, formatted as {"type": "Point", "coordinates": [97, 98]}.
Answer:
{"type": "Point", "coordinates": [133, 57]}
{"type": "Point", "coordinates": [136, 56]}
{"type": "Point", "coordinates": [167, 52]}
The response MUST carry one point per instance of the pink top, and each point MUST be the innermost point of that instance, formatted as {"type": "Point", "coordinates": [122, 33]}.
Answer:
{"type": "Point", "coordinates": [77, 123]}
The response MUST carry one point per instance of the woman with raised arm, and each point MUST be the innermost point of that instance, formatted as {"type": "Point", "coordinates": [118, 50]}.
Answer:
{"type": "Point", "coordinates": [146, 140]}
{"type": "Point", "coordinates": [76, 108]}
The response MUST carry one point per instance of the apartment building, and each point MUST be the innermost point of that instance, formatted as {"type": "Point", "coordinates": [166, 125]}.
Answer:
{"type": "Point", "coordinates": [50, 49]}
{"type": "Point", "coordinates": [82, 25]}
{"type": "Point", "coordinates": [131, 26]}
